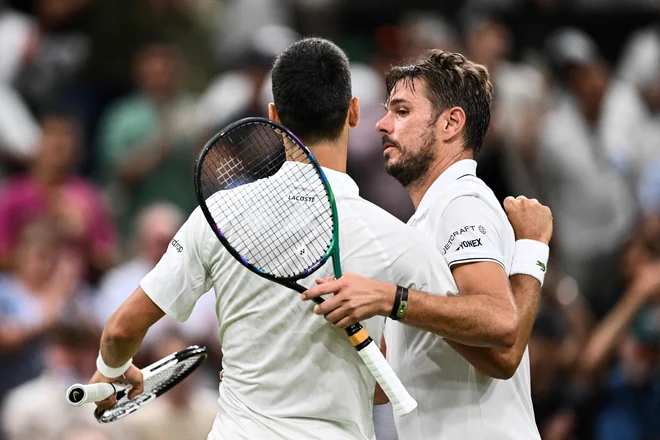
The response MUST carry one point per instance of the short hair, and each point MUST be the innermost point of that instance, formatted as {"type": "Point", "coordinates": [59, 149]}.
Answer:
{"type": "Point", "coordinates": [311, 83]}
{"type": "Point", "coordinates": [453, 81]}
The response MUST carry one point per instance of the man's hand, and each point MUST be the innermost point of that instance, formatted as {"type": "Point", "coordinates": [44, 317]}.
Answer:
{"type": "Point", "coordinates": [356, 298]}
{"type": "Point", "coordinates": [132, 376]}
{"type": "Point", "coordinates": [529, 219]}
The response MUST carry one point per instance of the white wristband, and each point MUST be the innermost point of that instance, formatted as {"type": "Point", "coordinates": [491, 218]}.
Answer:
{"type": "Point", "coordinates": [530, 257]}
{"type": "Point", "coordinates": [111, 372]}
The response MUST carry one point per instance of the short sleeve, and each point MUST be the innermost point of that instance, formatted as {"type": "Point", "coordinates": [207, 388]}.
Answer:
{"type": "Point", "coordinates": [180, 278]}
{"type": "Point", "coordinates": [469, 232]}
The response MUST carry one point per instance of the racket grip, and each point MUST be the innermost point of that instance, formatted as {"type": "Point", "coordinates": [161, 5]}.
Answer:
{"type": "Point", "coordinates": [402, 402]}
{"type": "Point", "coordinates": [80, 394]}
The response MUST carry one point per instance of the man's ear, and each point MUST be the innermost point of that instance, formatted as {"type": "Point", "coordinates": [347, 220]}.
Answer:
{"type": "Point", "coordinates": [272, 113]}
{"type": "Point", "coordinates": [451, 123]}
{"type": "Point", "coordinates": [354, 112]}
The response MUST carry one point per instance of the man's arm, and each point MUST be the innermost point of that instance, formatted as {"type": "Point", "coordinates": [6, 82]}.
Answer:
{"type": "Point", "coordinates": [532, 221]}
{"type": "Point", "coordinates": [488, 318]}
{"type": "Point", "coordinates": [644, 288]}
{"type": "Point", "coordinates": [126, 328]}
{"type": "Point", "coordinates": [121, 340]}
{"type": "Point", "coordinates": [502, 363]}
{"type": "Point", "coordinates": [172, 287]}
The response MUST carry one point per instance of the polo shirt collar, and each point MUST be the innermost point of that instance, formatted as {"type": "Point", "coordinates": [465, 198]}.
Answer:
{"type": "Point", "coordinates": [462, 168]}
{"type": "Point", "coordinates": [341, 183]}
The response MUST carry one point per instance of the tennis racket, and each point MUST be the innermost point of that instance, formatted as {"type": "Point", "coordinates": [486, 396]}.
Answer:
{"type": "Point", "coordinates": [270, 204]}
{"type": "Point", "coordinates": [159, 378]}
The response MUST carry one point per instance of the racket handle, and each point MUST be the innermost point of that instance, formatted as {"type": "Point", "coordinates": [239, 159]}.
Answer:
{"type": "Point", "coordinates": [80, 394]}
{"type": "Point", "coordinates": [402, 402]}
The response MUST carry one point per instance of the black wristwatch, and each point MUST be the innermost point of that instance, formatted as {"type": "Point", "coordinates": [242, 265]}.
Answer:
{"type": "Point", "coordinates": [400, 303]}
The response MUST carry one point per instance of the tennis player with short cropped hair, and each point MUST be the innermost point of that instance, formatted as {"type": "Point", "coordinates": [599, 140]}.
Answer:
{"type": "Point", "coordinates": [288, 373]}
{"type": "Point", "coordinates": [438, 111]}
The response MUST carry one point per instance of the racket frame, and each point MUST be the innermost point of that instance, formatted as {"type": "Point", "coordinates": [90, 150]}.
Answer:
{"type": "Point", "coordinates": [102, 391]}
{"type": "Point", "coordinates": [334, 242]}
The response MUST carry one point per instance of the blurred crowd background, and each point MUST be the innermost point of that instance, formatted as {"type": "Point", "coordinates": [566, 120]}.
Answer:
{"type": "Point", "coordinates": [104, 105]}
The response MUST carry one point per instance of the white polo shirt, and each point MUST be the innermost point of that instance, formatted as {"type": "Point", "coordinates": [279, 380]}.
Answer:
{"type": "Point", "coordinates": [288, 373]}
{"type": "Point", "coordinates": [463, 218]}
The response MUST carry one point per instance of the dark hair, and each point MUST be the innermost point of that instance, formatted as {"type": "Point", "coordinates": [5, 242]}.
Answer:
{"type": "Point", "coordinates": [312, 89]}
{"type": "Point", "coordinates": [453, 81]}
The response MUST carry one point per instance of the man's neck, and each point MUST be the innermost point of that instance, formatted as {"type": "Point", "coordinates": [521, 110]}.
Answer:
{"type": "Point", "coordinates": [332, 155]}
{"type": "Point", "coordinates": [418, 189]}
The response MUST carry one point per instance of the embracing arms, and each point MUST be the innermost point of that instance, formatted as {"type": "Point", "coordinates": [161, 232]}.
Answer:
{"type": "Point", "coordinates": [483, 324]}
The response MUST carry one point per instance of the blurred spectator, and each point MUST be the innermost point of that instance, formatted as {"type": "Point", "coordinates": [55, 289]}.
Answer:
{"type": "Point", "coordinates": [147, 138]}
{"type": "Point", "coordinates": [560, 332]}
{"type": "Point", "coordinates": [70, 358]}
{"type": "Point", "coordinates": [424, 30]}
{"type": "Point", "coordinates": [188, 26]}
{"type": "Point", "coordinates": [187, 411]}
{"type": "Point", "coordinates": [154, 228]}
{"type": "Point", "coordinates": [552, 412]}
{"type": "Point", "coordinates": [43, 288]}
{"type": "Point", "coordinates": [50, 190]}
{"type": "Point", "coordinates": [631, 388]}
{"type": "Point", "coordinates": [238, 23]}
{"type": "Point", "coordinates": [520, 101]}
{"type": "Point", "coordinates": [19, 132]}
{"type": "Point", "coordinates": [56, 52]}
{"type": "Point", "coordinates": [17, 32]}
{"type": "Point", "coordinates": [586, 153]}
{"type": "Point", "coordinates": [640, 66]}
{"type": "Point", "coordinates": [243, 90]}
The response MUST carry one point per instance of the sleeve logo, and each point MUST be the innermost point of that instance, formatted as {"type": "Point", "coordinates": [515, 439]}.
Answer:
{"type": "Point", "coordinates": [175, 244]}
{"type": "Point", "coordinates": [469, 244]}
{"type": "Point", "coordinates": [455, 234]}
{"type": "Point", "coordinates": [482, 229]}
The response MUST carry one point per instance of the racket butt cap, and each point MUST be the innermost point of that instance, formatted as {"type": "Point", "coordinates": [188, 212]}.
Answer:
{"type": "Point", "coordinates": [75, 395]}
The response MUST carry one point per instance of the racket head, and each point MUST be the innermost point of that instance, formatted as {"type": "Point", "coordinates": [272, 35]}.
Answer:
{"type": "Point", "coordinates": [160, 377]}
{"type": "Point", "coordinates": [251, 158]}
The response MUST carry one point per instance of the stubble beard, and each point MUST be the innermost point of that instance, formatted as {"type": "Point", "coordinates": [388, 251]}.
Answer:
{"type": "Point", "coordinates": [411, 169]}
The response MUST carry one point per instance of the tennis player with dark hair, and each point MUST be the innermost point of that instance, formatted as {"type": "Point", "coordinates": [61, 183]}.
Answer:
{"type": "Point", "coordinates": [438, 112]}
{"type": "Point", "coordinates": [288, 373]}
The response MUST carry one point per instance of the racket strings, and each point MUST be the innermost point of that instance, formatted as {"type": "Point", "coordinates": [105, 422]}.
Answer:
{"type": "Point", "coordinates": [267, 199]}
{"type": "Point", "coordinates": [154, 386]}
{"type": "Point", "coordinates": [286, 240]}
{"type": "Point", "coordinates": [169, 376]}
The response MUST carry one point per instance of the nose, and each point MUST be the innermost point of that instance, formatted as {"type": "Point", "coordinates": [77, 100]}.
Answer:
{"type": "Point", "coordinates": [384, 126]}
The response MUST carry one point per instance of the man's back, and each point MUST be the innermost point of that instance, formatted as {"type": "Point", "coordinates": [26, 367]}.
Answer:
{"type": "Point", "coordinates": [288, 373]}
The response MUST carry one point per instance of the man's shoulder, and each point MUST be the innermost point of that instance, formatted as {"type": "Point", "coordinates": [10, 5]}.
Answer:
{"type": "Point", "coordinates": [370, 214]}
{"type": "Point", "coordinates": [469, 194]}
{"type": "Point", "coordinates": [394, 237]}
{"type": "Point", "coordinates": [473, 206]}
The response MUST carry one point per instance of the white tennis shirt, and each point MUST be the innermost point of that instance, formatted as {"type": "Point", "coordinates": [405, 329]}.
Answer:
{"type": "Point", "coordinates": [462, 217]}
{"type": "Point", "coordinates": [288, 373]}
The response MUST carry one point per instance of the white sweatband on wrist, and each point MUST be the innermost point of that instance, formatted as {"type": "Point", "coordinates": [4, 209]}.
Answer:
{"type": "Point", "coordinates": [111, 372]}
{"type": "Point", "coordinates": [530, 257]}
